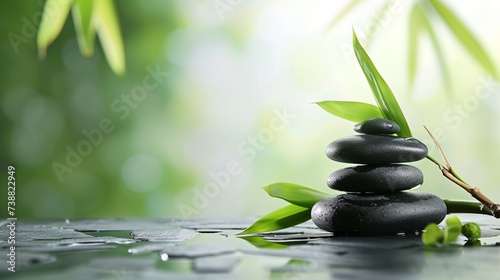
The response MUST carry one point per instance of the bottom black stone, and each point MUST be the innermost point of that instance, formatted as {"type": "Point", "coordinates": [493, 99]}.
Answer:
{"type": "Point", "coordinates": [388, 214]}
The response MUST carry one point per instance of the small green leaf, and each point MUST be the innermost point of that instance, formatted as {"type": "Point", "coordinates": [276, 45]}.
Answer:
{"type": "Point", "coordinates": [343, 13]}
{"type": "Point", "coordinates": [465, 36]}
{"type": "Point", "coordinates": [381, 91]}
{"type": "Point", "coordinates": [452, 230]}
{"type": "Point", "coordinates": [54, 15]}
{"type": "Point", "coordinates": [453, 221]}
{"type": "Point", "coordinates": [108, 30]}
{"type": "Point", "coordinates": [85, 33]}
{"type": "Point", "coordinates": [471, 231]}
{"type": "Point", "coordinates": [284, 217]}
{"type": "Point", "coordinates": [352, 111]}
{"type": "Point", "coordinates": [295, 194]}
{"type": "Point", "coordinates": [432, 234]}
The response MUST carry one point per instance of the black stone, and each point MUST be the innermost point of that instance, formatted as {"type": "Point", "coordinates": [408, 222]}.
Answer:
{"type": "Point", "coordinates": [376, 178]}
{"type": "Point", "coordinates": [377, 126]}
{"type": "Point", "coordinates": [368, 215]}
{"type": "Point", "coordinates": [376, 149]}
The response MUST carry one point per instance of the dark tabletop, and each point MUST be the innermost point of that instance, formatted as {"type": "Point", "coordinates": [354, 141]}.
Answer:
{"type": "Point", "coordinates": [146, 248]}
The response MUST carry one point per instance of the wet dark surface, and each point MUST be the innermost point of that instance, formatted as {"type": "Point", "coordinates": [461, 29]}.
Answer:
{"type": "Point", "coordinates": [207, 249]}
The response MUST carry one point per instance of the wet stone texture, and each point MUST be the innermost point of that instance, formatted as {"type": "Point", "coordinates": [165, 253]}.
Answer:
{"type": "Point", "coordinates": [208, 249]}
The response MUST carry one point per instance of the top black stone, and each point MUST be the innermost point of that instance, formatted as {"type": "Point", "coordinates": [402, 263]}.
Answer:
{"type": "Point", "coordinates": [377, 126]}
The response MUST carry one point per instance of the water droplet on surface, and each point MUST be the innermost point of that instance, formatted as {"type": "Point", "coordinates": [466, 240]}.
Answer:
{"type": "Point", "coordinates": [164, 257]}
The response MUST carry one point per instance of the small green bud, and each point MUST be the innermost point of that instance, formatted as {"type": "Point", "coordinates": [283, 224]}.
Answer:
{"type": "Point", "coordinates": [471, 230]}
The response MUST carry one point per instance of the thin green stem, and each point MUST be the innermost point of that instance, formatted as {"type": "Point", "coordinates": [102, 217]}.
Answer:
{"type": "Point", "coordinates": [454, 173]}
{"type": "Point", "coordinates": [433, 160]}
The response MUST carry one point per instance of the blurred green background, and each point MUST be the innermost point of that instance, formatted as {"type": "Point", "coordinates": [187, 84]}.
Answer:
{"type": "Point", "coordinates": [235, 112]}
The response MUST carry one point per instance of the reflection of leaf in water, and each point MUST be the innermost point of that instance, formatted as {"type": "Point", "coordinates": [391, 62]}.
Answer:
{"type": "Point", "coordinates": [298, 262]}
{"type": "Point", "coordinates": [260, 242]}
{"type": "Point", "coordinates": [419, 23]}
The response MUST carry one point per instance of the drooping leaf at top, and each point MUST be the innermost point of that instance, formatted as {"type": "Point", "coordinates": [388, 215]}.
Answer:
{"type": "Point", "coordinates": [85, 32]}
{"type": "Point", "coordinates": [465, 36]}
{"type": "Point", "coordinates": [54, 15]}
{"type": "Point", "coordinates": [414, 29]}
{"type": "Point", "coordinates": [108, 30]}
{"type": "Point", "coordinates": [426, 24]}
{"type": "Point", "coordinates": [381, 91]}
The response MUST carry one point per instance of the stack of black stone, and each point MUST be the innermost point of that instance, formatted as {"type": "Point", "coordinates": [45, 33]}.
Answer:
{"type": "Point", "coordinates": [376, 202]}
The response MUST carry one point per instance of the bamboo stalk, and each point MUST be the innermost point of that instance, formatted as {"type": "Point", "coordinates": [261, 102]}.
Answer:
{"type": "Point", "coordinates": [451, 175]}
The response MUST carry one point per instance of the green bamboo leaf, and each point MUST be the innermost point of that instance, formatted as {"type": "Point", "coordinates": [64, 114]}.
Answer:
{"type": "Point", "coordinates": [54, 15]}
{"type": "Point", "coordinates": [352, 111]}
{"type": "Point", "coordinates": [108, 30]}
{"type": "Point", "coordinates": [414, 29]}
{"type": "Point", "coordinates": [381, 91]}
{"type": "Point", "coordinates": [465, 36]}
{"type": "Point", "coordinates": [295, 194]}
{"type": "Point", "coordinates": [85, 33]}
{"type": "Point", "coordinates": [284, 217]}
{"type": "Point", "coordinates": [426, 24]}
{"type": "Point", "coordinates": [347, 9]}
